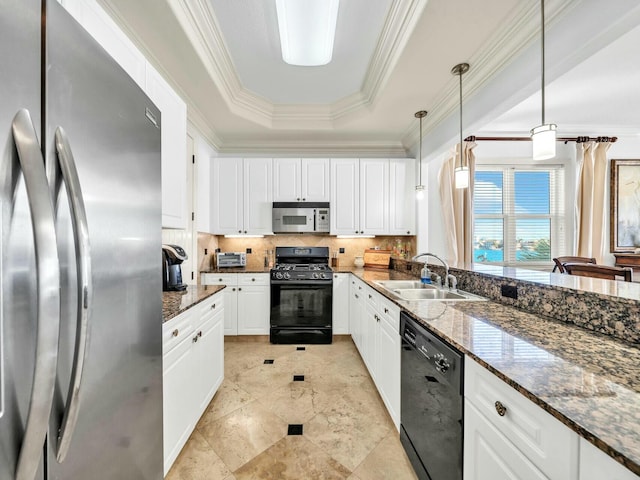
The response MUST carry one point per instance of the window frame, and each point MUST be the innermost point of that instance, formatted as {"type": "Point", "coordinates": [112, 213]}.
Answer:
{"type": "Point", "coordinates": [556, 215]}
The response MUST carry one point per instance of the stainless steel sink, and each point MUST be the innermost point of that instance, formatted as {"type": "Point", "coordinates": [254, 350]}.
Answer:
{"type": "Point", "coordinates": [431, 294]}
{"type": "Point", "coordinates": [404, 284]}
{"type": "Point", "coordinates": [415, 290]}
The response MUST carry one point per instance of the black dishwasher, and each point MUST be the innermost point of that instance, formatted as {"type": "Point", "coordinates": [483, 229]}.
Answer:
{"type": "Point", "coordinates": [431, 400]}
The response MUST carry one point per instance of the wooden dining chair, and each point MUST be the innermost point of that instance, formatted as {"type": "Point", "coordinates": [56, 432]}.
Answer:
{"type": "Point", "coordinates": [599, 271]}
{"type": "Point", "coordinates": [560, 261]}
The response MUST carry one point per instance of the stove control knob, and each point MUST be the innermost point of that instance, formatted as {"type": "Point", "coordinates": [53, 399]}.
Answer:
{"type": "Point", "coordinates": [279, 275]}
{"type": "Point", "coordinates": [315, 275]}
{"type": "Point", "coordinates": [287, 276]}
{"type": "Point", "coordinates": [322, 275]}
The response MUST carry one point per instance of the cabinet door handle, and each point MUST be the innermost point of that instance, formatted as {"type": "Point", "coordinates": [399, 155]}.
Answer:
{"type": "Point", "coordinates": [219, 279]}
{"type": "Point", "coordinates": [356, 295]}
{"type": "Point", "coordinates": [386, 310]}
{"type": "Point", "coordinates": [175, 333]}
{"type": "Point", "coordinates": [370, 296]}
{"type": "Point", "coordinates": [194, 339]}
{"type": "Point", "coordinates": [408, 232]}
{"type": "Point", "coordinates": [239, 289]}
{"type": "Point", "coordinates": [245, 231]}
{"type": "Point", "coordinates": [304, 199]}
{"type": "Point", "coordinates": [500, 408]}
{"type": "Point", "coordinates": [356, 231]}
{"type": "Point", "coordinates": [200, 333]}
{"type": "Point", "coordinates": [253, 279]}
{"type": "Point", "coordinates": [298, 199]}
{"type": "Point", "coordinates": [359, 287]}
{"type": "Point", "coordinates": [213, 306]}
{"type": "Point", "coordinates": [233, 289]}
{"type": "Point", "coordinates": [239, 231]}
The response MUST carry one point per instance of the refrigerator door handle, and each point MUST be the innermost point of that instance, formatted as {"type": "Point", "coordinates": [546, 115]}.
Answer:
{"type": "Point", "coordinates": [48, 294]}
{"type": "Point", "coordinates": [83, 273]}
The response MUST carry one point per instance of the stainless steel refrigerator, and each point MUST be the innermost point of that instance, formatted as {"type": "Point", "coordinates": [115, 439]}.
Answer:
{"type": "Point", "coordinates": [81, 318]}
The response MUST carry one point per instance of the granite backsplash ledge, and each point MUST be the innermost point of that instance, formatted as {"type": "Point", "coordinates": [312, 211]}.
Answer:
{"type": "Point", "coordinates": [611, 315]}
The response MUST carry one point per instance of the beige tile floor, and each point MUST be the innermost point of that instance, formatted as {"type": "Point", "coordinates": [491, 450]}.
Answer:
{"type": "Point", "coordinates": [347, 433]}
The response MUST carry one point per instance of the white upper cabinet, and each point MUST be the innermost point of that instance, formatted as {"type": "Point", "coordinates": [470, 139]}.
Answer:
{"type": "Point", "coordinates": [374, 196]}
{"type": "Point", "coordinates": [301, 180]}
{"type": "Point", "coordinates": [174, 149]}
{"type": "Point", "coordinates": [241, 196]}
{"type": "Point", "coordinates": [286, 180]}
{"type": "Point", "coordinates": [258, 196]}
{"type": "Point", "coordinates": [226, 196]}
{"type": "Point", "coordinates": [402, 204]}
{"type": "Point", "coordinates": [345, 196]}
{"type": "Point", "coordinates": [315, 180]}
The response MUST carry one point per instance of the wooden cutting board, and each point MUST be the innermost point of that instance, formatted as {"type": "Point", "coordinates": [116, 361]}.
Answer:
{"type": "Point", "coordinates": [377, 258]}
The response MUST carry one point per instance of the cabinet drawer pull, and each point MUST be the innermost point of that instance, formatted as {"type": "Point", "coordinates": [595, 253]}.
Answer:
{"type": "Point", "coordinates": [200, 333]}
{"type": "Point", "coordinates": [175, 333]}
{"type": "Point", "coordinates": [219, 279]}
{"type": "Point", "coordinates": [253, 279]}
{"type": "Point", "coordinates": [356, 295]}
{"type": "Point", "coordinates": [386, 310]}
{"type": "Point", "coordinates": [233, 289]}
{"type": "Point", "coordinates": [194, 339]}
{"type": "Point", "coordinates": [500, 408]}
{"type": "Point", "coordinates": [239, 289]}
{"type": "Point", "coordinates": [213, 306]}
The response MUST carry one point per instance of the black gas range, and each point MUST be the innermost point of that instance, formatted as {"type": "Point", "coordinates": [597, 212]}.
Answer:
{"type": "Point", "coordinates": [301, 296]}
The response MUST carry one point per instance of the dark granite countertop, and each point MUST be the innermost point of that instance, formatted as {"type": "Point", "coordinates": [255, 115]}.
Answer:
{"type": "Point", "coordinates": [174, 303]}
{"type": "Point", "coordinates": [589, 381]}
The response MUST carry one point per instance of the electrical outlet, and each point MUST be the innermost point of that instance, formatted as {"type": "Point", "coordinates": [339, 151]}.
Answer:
{"type": "Point", "coordinates": [217, 250]}
{"type": "Point", "coordinates": [205, 251]}
{"type": "Point", "coordinates": [248, 250]}
{"type": "Point", "coordinates": [509, 291]}
{"type": "Point", "coordinates": [341, 250]}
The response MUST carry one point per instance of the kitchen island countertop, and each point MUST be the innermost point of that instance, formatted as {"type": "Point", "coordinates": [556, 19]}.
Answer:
{"type": "Point", "coordinates": [174, 303]}
{"type": "Point", "coordinates": [588, 381]}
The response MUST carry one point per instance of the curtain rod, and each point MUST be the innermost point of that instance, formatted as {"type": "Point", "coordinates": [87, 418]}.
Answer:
{"type": "Point", "coordinates": [473, 138]}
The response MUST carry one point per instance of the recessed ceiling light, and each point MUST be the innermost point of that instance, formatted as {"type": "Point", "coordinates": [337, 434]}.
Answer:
{"type": "Point", "coordinates": [307, 29]}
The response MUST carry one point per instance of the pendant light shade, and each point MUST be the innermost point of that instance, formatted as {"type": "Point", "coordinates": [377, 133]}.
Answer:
{"type": "Point", "coordinates": [543, 137]}
{"type": "Point", "coordinates": [420, 187]}
{"type": "Point", "coordinates": [462, 177]}
{"type": "Point", "coordinates": [461, 172]}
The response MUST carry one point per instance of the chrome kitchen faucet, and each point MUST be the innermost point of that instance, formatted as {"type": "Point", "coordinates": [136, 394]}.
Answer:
{"type": "Point", "coordinates": [450, 281]}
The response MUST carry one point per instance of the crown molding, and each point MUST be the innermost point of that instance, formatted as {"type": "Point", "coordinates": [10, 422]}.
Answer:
{"type": "Point", "coordinates": [200, 25]}
{"type": "Point", "coordinates": [317, 148]}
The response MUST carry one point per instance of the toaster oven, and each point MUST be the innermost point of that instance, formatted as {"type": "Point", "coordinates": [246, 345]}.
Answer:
{"type": "Point", "coordinates": [231, 259]}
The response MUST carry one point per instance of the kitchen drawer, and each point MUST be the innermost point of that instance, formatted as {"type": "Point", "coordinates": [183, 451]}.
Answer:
{"type": "Point", "coordinates": [209, 307]}
{"type": "Point", "coordinates": [253, 279]}
{"type": "Point", "coordinates": [371, 296]}
{"type": "Point", "coordinates": [176, 329]}
{"type": "Point", "coordinates": [389, 312]}
{"type": "Point", "coordinates": [545, 441]}
{"type": "Point", "coordinates": [219, 279]}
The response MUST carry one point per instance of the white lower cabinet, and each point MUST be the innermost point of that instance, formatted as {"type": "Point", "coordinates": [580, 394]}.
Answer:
{"type": "Point", "coordinates": [597, 465]}
{"type": "Point", "coordinates": [247, 301]}
{"type": "Point", "coordinates": [375, 329]}
{"type": "Point", "coordinates": [193, 369]}
{"type": "Point", "coordinates": [524, 442]}
{"type": "Point", "coordinates": [340, 307]}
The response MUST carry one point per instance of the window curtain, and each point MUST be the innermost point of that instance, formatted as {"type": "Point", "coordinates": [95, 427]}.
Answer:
{"type": "Point", "coordinates": [457, 207]}
{"type": "Point", "coordinates": [591, 199]}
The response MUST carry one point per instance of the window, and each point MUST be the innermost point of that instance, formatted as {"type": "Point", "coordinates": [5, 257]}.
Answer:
{"type": "Point", "coordinates": [518, 215]}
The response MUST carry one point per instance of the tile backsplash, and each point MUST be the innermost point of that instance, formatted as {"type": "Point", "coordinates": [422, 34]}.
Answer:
{"type": "Point", "coordinates": [352, 246]}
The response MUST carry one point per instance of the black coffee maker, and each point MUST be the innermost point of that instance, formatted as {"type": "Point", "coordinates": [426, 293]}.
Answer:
{"type": "Point", "coordinates": [172, 257]}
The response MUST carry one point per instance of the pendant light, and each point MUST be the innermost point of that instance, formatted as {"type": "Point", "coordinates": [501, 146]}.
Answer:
{"type": "Point", "coordinates": [461, 172]}
{"type": "Point", "coordinates": [420, 187]}
{"type": "Point", "coordinates": [543, 137]}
